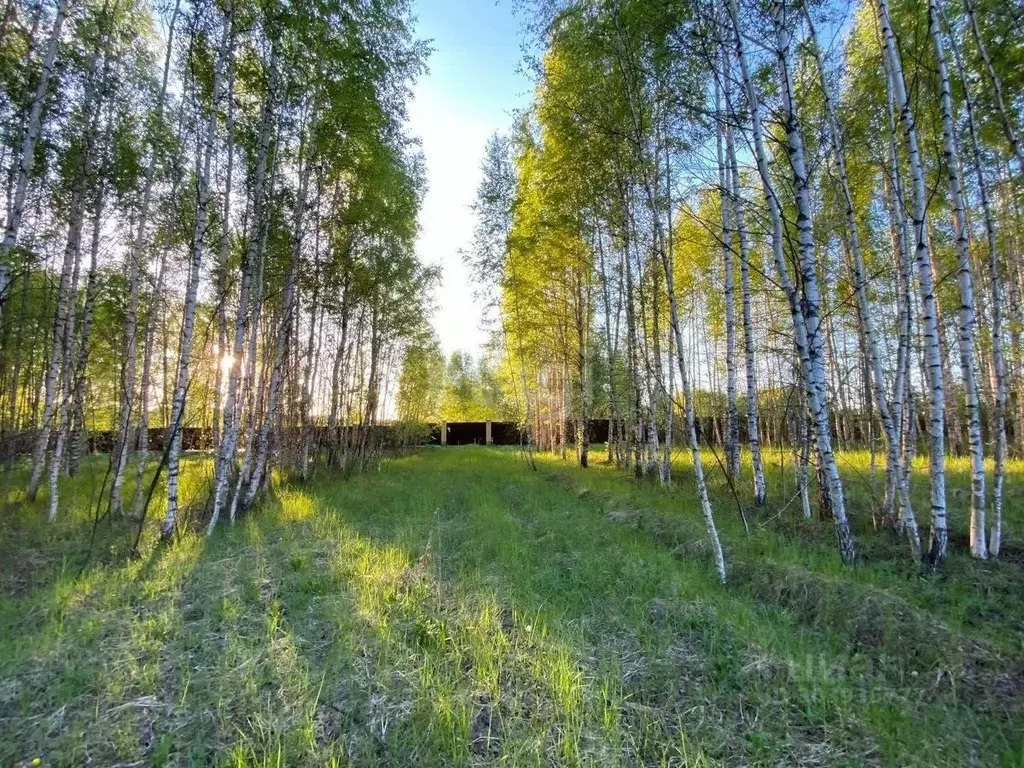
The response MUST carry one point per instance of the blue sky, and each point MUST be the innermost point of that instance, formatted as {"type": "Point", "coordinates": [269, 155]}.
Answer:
{"type": "Point", "coordinates": [471, 90]}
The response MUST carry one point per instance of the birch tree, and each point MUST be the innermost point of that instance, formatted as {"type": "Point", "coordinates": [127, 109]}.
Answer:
{"type": "Point", "coordinates": [965, 280]}
{"type": "Point", "coordinates": [939, 543]}
{"type": "Point", "coordinates": [181, 382]}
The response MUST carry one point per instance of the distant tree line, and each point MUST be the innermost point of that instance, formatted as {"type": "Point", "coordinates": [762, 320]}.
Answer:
{"type": "Point", "coordinates": [432, 389]}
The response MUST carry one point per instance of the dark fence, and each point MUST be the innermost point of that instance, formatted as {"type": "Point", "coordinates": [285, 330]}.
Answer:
{"type": "Point", "coordinates": [192, 439]}
{"type": "Point", "coordinates": [710, 430]}
{"type": "Point", "coordinates": [466, 432]}
{"type": "Point", "coordinates": [506, 433]}
{"type": "Point", "coordinates": [201, 438]}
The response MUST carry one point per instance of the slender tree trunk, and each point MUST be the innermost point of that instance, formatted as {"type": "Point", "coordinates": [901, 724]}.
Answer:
{"type": "Point", "coordinates": [750, 350]}
{"type": "Point", "coordinates": [154, 322]}
{"type": "Point", "coordinates": [666, 463]}
{"type": "Point", "coordinates": [631, 356]}
{"type": "Point", "coordinates": [610, 354]}
{"type": "Point", "coordinates": [231, 418]}
{"type": "Point", "coordinates": [659, 246]}
{"type": "Point", "coordinates": [996, 280]}
{"type": "Point", "coordinates": [28, 144]}
{"type": "Point", "coordinates": [656, 389]}
{"type": "Point", "coordinates": [908, 447]}
{"type": "Point", "coordinates": [811, 306]}
{"type": "Point", "coordinates": [732, 427]}
{"type": "Point", "coordinates": [954, 425]}
{"type": "Point", "coordinates": [806, 437]}
{"type": "Point", "coordinates": [339, 376]}
{"type": "Point", "coordinates": [135, 268]}
{"type": "Point", "coordinates": [15, 421]}
{"type": "Point", "coordinates": [311, 368]}
{"type": "Point", "coordinates": [582, 325]}
{"type": "Point", "coordinates": [965, 279]}
{"type": "Point", "coordinates": [893, 470]}
{"type": "Point", "coordinates": [68, 290]}
{"type": "Point", "coordinates": [65, 301]}
{"type": "Point", "coordinates": [281, 348]}
{"type": "Point", "coordinates": [312, 353]}
{"type": "Point", "coordinates": [82, 359]}
{"type": "Point", "coordinates": [902, 392]}
{"type": "Point", "coordinates": [142, 447]}
{"type": "Point", "coordinates": [939, 543]}
{"type": "Point", "coordinates": [177, 416]}
{"type": "Point", "coordinates": [61, 412]}
{"type": "Point", "coordinates": [813, 376]}
{"type": "Point", "coordinates": [255, 389]}
{"type": "Point", "coordinates": [698, 464]}
{"type": "Point", "coordinates": [225, 234]}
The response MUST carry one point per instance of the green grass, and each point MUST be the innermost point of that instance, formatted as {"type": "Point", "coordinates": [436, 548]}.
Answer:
{"type": "Point", "coordinates": [460, 609]}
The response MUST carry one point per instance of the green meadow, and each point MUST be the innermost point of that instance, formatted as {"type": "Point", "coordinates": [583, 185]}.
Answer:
{"type": "Point", "coordinates": [458, 608]}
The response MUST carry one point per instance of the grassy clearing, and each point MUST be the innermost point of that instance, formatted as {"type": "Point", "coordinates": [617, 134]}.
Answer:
{"type": "Point", "coordinates": [459, 609]}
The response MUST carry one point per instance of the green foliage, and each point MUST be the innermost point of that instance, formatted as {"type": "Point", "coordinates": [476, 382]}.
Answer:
{"type": "Point", "coordinates": [461, 389]}
{"type": "Point", "coordinates": [421, 382]}
{"type": "Point", "coordinates": [472, 391]}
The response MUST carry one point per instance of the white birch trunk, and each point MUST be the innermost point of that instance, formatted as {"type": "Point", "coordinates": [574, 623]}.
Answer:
{"type": "Point", "coordinates": [65, 299]}
{"type": "Point", "coordinates": [582, 326]}
{"type": "Point", "coordinates": [813, 378]}
{"type": "Point", "coordinates": [903, 404]}
{"type": "Point", "coordinates": [804, 457]}
{"type": "Point", "coordinates": [750, 349]}
{"type": "Point", "coordinates": [939, 543]}
{"type": "Point", "coordinates": [996, 278]}
{"type": "Point", "coordinates": [698, 464]}
{"type": "Point", "coordinates": [281, 347]}
{"type": "Point", "coordinates": [811, 308]}
{"type": "Point", "coordinates": [312, 356]}
{"type": "Point", "coordinates": [732, 427]}
{"type": "Point", "coordinates": [231, 419]}
{"type": "Point", "coordinates": [250, 390]}
{"type": "Point", "coordinates": [881, 400]}
{"type": "Point", "coordinates": [156, 309]}
{"type": "Point", "coordinates": [666, 463]}
{"type": "Point", "coordinates": [177, 415]}
{"type": "Point", "coordinates": [631, 359]}
{"type": "Point", "coordinates": [82, 359]}
{"type": "Point", "coordinates": [66, 290]}
{"type": "Point", "coordinates": [131, 330]}
{"type": "Point", "coordinates": [965, 279]}
{"type": "Point", "coordinates": [225, 234]}
{"type": "Point", "coordinates": [145, 381]}
{"type": "Point", "coordinates": [28, 144]}
{"type": "Point", "coordinates": [611, 354]}
{"type": "Point", "coordinates": [61, 414]}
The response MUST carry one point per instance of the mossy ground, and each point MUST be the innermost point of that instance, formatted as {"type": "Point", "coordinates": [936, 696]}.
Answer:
{"type": "Point", "coordinates": [458, 608]}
